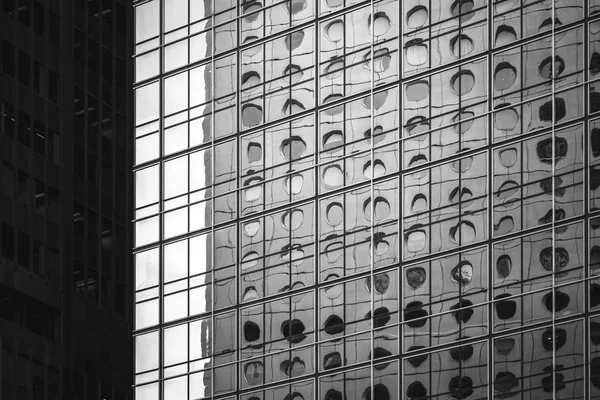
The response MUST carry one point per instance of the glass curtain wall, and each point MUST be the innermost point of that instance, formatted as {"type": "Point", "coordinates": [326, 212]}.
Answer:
{"type": "Point", "coordinates": [343, 199]}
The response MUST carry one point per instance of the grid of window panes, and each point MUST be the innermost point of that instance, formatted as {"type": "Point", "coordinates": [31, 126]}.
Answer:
{"type": "Point", "coordinates": [344, 199]}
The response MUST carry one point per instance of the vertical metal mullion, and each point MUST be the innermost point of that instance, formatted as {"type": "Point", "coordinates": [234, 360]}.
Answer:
{"type": "Point", "coordinates": [238, 194]}
{"type": "Point", "coordinates": [161, 203]}
{"type": "Point", "coordinates": [553, 205]}
{"type": "Point", "coordinates": [316, 216]}
{"type": "Point", "coordinates": [372, 187]}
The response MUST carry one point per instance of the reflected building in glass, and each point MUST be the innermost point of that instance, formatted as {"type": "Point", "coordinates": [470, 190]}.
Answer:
{"type": "Point", "coordinates": [340, 199]}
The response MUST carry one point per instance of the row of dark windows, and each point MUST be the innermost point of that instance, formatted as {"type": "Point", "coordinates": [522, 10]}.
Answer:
{"type": "Point", "coordinates": [32, 14]}
{"type": "Point", "coordinates": [30, 72]}
{"type": "Point", "coordinates": [16, 370]}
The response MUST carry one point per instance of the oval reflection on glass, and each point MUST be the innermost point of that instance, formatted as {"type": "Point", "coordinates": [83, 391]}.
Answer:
{"type": "Point", "coordinates": [463, 233]}
{"type": "Point", "coordinates": [416, 277]}
{"type": "Point", "coordinates": [250, 7]}
{"type": "Point", "coordinates": [251, 114]}
{"type": "Point", "coordinates": [461, 45]}
{"type": "Point", "coordinates": [381, 25]}
{"type": "Point", "coordinates": [296, 6]}
{"type": "Point", "coordinates": [251, 228]}
{"type": "Point", "coordinates": [333, 140]}
{"type": "Point", "coordinates": [462, 273]}
{"type": "Point", "coordinates": [333, 110]}
{"type": "Point", "coordinates": [462, 165]}
{"type": "Point", "coordinates": [254, 372]}
{"type": "Point", "coordinates": [505, 76]}
{"type": "Point", "coordinates": [462, 82]}
{"type": "Point", "coordinates": [254, 152]}
{"type": "Point", "coordinates": [379, 99]}
{"type": "Point", "coordinates": [250, 294]}
{"type": "Point", "coordinates": [382, 282]}
{"type": "Point", "coordinates": [333, 177]}
{"type": "Point", "coordinates": [505, 34]}
{"type": "Point", "coordinates": [417, 91]}
{"type": "Point", "coordinates": [252, 193]}
{"type": "Point", "coordinates": [293, 40]}
{"type": "Point", "coordinates": [547, 70]}
{"type": "Point", "coordinates": [335, 30]}
{"type": "Point", "coordinates": [292, 219]}
{"type": "Point", "coordinates": [381, 60]}
{"type": "Point", "coordinates": [293, 148]}
{"type": "Point", "coordinates": [377, 137]}
{"type": "Point", "coordinates": [382, 208]}
{"type": "Point", "coordinates": [462, 9]}
{"type": "Point", "coordinates": [250, 79]}
{"type": "Point", "coordinates": [293, 254]}
{"type": "Point", "coordinates": [419, 203]}
{"type": "Point", "coordinates": [463, 127]}
{"type": "Point", "coordinates": [252, 51]}
{"type": "Point", "coordinates": [417, 17]}
{"type": "Point", "coordinates": [416, 52]}
{"type": "Point", "coordinates": [334, 214]}
{"type": "Point", "coordinates": [335, 69]}
{"type": "Point", "coordinates": [293, 73]}
{"type": "Point", "coordinates": [378, 171]}
{"type": "Point", "coordinates": [415, 240]}
{"type": "Point", "coordinates": [250, 260]}
{"type": "Point", "coordinates": [508, 157]}
{"type": "Point", "coordinates": [503, 265]}
{"type": "Point", "coordinates": [507, 189]}
{"type": "Point", "coordinates": [293, 184]}
{"type": "Point", "coordinates": [506, 118]}
{"type": "Point", "coordinates": [417, 125]}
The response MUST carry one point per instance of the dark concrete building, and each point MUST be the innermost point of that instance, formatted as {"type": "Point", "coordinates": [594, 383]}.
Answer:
{"type": "Point", "coordinates": [65, 270]}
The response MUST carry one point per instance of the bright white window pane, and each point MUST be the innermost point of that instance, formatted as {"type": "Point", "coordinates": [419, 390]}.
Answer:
{"type": "Point", "coordinates": [176, 223]}
{"type": "Point", "coordinates": [146, 231]}
{"type": "Point", "coordinates": [176, 93]}
{"type": "Point", "coordinates": [200, 339]}
{"type": "Point", "coordinates": [175, 306]}
{"type": "Point", "coordinates": [200, 167]}
{"type": "Point", "coordinates": [146, 103]}
{"type": "Point", "coordinates": [176, 265]}
{"type": "Point", "coordinates": [175, 345]}
{"type": "Point", "coordinates": [176, 177]}
{"type": "Point", "coordinates": [147, 66]}
{"type": "Point", "coordinates": [146, 186]}
{"type": "Point", "coordinates": [146, 21]}
{"type": "Point", "coordinates": [147, 148]}
{"type": "Point", "coordinates": [146, 269]}
{"type": "Point", "coordinates": [147, 392]}
{"type": "Point", "coordinates": [176, 138]}
{"type": "Point", "coordinates": [176, 14]}
{"type": "Point", "coordinates": [146, 352]}
{"type": "Point", "coordinates": [199, 255]}
{"type": "Point", "coordinates": [146, 314]}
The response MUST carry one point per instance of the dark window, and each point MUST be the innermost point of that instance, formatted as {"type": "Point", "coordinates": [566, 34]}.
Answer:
{"type": "Point", "coordinates": [53, 204]}
{"type": "Point", "coordinates": [39, 18]}
{"type": "Point", "coordinates": [8, 58]}
{"type": "Point", "coordinates": [24, 68]}
{"type": "Point", "coordinates": [39, 75]}
{"type": "Point", "coordinates": [93, 57]}
{"type": "Point", "coordinates": [78, 218]}
{"type": "Point", "coordinates": [54, 28]}
{"type": "Point", "coordinates": [53, 146]}
{"type": "Point", "coordinates": [78, 45]}
{"type": "Point", "coordinates": [107, 12]}
{"type": "Point", "coordinates": [121, 19]}
{"type": "Point", "coordinates": [24, 12]}
{"type": "Point", "coordinates": [39, 138]}
{"type": "Point", "coordinates": [8, 242]}
{"type": "Point", "coordinates": [106, 93]}
{"type": "Point", "coordinates": [8, 120]}
{"type": "Point", "coordinates": [79, 103]}
{"type": "Point", "coordinates": [8, 6]}
{"type": "Point", "coordinates": [93, 111]}
{"type": "Point", "coordinates": [8, 180]}
{"type": "Point", "coordinates": [107, 64]}
{"type": "Point", "coordinates": [78, 161]}
{"type": "Point", "coordinates": [39, 257]}
{"type": "Point", "coordinates": [53, 86]}
{"type": "Point", "coordinates": [40, 196]}
{"type": "Point", "coordinates": [23, 250]}
{"type": "Point", "coordinates": [121, 74]}
{"type": "Point", "coordinates": [24, 129]}
{"type": "Point", "coordinates": [23, 191]}
{"type": "Point", "coordinates": [92, 170]}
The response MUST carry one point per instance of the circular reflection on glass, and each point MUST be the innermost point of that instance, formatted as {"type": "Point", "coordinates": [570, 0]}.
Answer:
{"type": "Point", "coordinates": [414, 314]}
{"type": "Point", "coordinates": [508, 157]}
{"type": "Point", "coordinates": [417, 17]}
{"type": "Point", "coordinates": [463, 232]}
{"type": "Point", "coordinates": [295, 367]}
{"type": "Point", "coordinates": [507, 189]}
{"type": "Point", "coordinates": [462, 82]}
{"type": "Point", "coordinates": [296, 6]}
{"type": "Point", "coordinates": [333, 292]}
{"type": "Point", "coordinates": [293, 73]}
{"type": "Point", "coordinates": [505, 382]}
{"type": "Point", "coordinates": [381, 60]}
{"type": "Point", "coordinates": [293, 148]}
{"type": "Point", "coordinates": [253, 193]}
{"type": "Point", "coordinates": [251, 331]}
{"type": "Point", "coordinates": [416, 391]}
{"type": "Point", "coordinates": [292, 219]}
{"type": "Point", "coordinates": [379, 99]}
{"type": "Point", "coordinates": [293, 184]}
{"type": "Point", "coordinates": [381, 24]}
{"type": "Point", "coordinates": [461, 45]}
{"type": "Point", "coordinates": [462, 273]}
{"type": "Point", "coordinates": [334, 214]}
{"type": "Point", "coordinates": [544, 149]}
{"type": "Point", "coordinates": [561, 258]}
{"type": "Point", "coordinates": [333, 394]}
{"type": "Point", "coordinates": [250, 7]}
{"type": "Point", "coordinates": [335, 30]}
{"type": "Point", "coordinates": [505, 34]}
{"type": "Point", "coordinates": [380, 392]}
{"type": "Point", "coordinates": [250, 260]}
{"type": "Point", "coordinates": [293, 254]}
{"type": "Point", "coordinates": [416, 52]}
{"type": "Point", "coordinates": [419, 203]}
{"type": "Point", "coordinates": [334, 251]}
{"type": "Point", "coordinates": [292, 106]}
{"type": "Point", "coordinates": [463, 127]}
{"type": "Point", "coordinates": [461, 353]}
{"type": "Point", "coordinates": [334, 110]}
{"type": "Point", "coordinates": [334, 69]}
{"type": "Point", "coordinates": [293, 331]}
{"type": "Point", "coordinates": [251, 228]}
{"type": "Point", "coordinates": [560, 110]}
{"type": "Point", "coordinates": [416, 277]}
{"type": "Point", "coordinates": [556, 339]}
{"type": "Point", "coordinates": [462, 164]}
{"type": "Point", "coordinates": [378, 136]}
{"type": "Point", "coordinates": [378, 171]}
{"type": "Point", "coordinates": [460, 195]}
{"type": "Point", "coordinates": [293, 40]}
{"type": "Point", "coordinates": [506, 118]}
{"type": "Point", "coordinates": [505, 309]}
{"type": "Point", "coordinates": [462, 9]}
{"type": "Point", "coordinates": [333, 140]}
{"type": "Point", "coordinates": [503, 266]}
{"type": "Point", "coordinates": [382, 282]}
{"type": "Point", "coordinates": [416, 361]}
{"type": "Point", "coordinates": [557, 302]}
{"type": "Point", "coordinates": [547, 70]}
{"type": "Point", "coordinates": [460, 387]}
{"type": "Point", "coordinates": [251, 114]}
{"type": "Point", "coordinates": [505, 345]}
{"type": "Point", "coordinates": [417, 125]}
{"type": "Point", "coordinates": [382, 208]}
{"type": "Point", "coordinates": [250, 79]}
{"type": "Point", "coordinates": [417, 91]}
{"type": "Point", "coordinates": [505, 76]}
{"type": "Point", "coordinates": [333, 177]}
{"type": "Point", "coordinates": [415, 239]}
{"type": "Point", "coordinates": [505, 225]}
{"type": "Point", "coordinates": [254, 372]}
{"type": "Point", "coordinates": [332, 360]}
{"type": "Point", "coordinates": [333, 325]}
{"type": "Point", "coordinates": [254, 152]}
{"type": "Point", "coordinates": [250, 294]}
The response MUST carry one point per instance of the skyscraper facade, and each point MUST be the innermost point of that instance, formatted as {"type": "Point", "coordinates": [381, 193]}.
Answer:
{"type": "Point", "coordinates": [65, 239]}
{"type": "Point", "coordinates": [341, 199]}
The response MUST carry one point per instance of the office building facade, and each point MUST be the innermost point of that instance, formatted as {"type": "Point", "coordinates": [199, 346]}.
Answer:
{"type": "Point", "coordinates": [65, 307]}
{"type": "Point", "coordinates": [345, 199]}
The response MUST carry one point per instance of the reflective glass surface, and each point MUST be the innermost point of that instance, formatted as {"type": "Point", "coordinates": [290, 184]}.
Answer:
{"type": "Point", "coordinates": [344, 199]}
